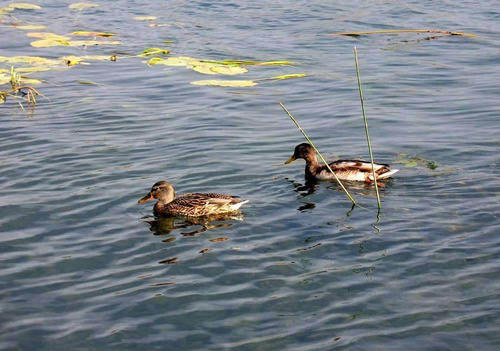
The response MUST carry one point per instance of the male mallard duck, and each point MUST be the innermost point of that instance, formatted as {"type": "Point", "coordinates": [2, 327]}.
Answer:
{"type": "Point", "coordinates": [193, 205]}
{"type": "Point", "coordinates": [344, 169]}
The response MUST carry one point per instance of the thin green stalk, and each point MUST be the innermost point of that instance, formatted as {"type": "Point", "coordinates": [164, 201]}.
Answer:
{"type": "Point", "coordinates": [366, 127]}
{"type": "Point", "coordinates": [319, 153]}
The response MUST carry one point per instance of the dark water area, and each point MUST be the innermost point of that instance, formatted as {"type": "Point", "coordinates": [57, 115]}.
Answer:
{"type": "Point", "coordinates": [84, 267]}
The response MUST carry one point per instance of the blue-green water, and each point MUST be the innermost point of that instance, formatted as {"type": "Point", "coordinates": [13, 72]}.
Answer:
{"type": "Point", "coordinates": [79, 262]}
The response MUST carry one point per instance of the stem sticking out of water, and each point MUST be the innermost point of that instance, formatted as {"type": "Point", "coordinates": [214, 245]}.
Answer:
{"type": "Point", "coordinates": [319, 153]}
{"type": "Point", "coordinates": [366, 127]}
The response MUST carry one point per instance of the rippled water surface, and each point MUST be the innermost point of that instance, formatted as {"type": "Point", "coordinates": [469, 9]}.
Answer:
{"type": "Point", "coordinates": [84, 267]}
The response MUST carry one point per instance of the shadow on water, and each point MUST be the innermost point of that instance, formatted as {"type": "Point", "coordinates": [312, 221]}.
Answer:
{"type": "Point", "coordinates": [359, 188]}
{"type": "Point", "coordinates": [162, 226]}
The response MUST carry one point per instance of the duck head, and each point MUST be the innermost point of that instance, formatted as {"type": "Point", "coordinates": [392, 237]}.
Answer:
{"type": "Point", "coordinates": [162, 191]}
{"type": "Point", "coordinates": [305, 151]}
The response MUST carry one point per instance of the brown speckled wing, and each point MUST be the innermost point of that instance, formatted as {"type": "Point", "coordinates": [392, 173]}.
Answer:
{"type": "Point", "coordinates": [199, 204]}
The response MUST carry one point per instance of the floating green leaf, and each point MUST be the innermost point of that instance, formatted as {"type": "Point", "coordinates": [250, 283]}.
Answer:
{"type": "Point", "coordinates": [6, 9]}
{"type": "Point", "coordinates": [93, 42]}
{"type": "Point", "coordinates": [82, 5]}
{"type": "Point", "coordinates": [45, 43]}
{"type": "Point", "coordinates": [76, 60]}
{"type": "Point", "coordinates": [145, 18]}
{"type": "Point", "coordinates": [416, 161]}
{"type": "Point", "coordinates": [93, 34]}
{"type": "Point", "coordinates": [210, 68]}
{"type": "Point", "coordinates": [172, 61]}
{"type": "Point", "coordinates": [87, 82]}
{"type": "Point", "coordinates": [24, 6]}
{"type": "Point", "coordinates": [250, 63]}
{"type": "Point", "coordinates": [59, 42]}
{"type": "Point", "coordinates": [27, 69]}
{"type": "Point", "coordinates": [47, 35]}
{"type": "Point", "coordinates": [290, 76]}
{"type": "Point", "coordinates": [226, 83]}
{"type": "Point", "coordinates": [154, 51]}
{"type": "Point", "coordinates": [201, 66]}
{"type": "Point", "coordinates": [30, 60]}
{"type": "Point", "coordinates": [31, 26]}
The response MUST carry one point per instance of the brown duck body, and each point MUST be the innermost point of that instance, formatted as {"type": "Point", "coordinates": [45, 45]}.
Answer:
{"type": "Point", "coordinates": [355, 170]}
{"type": "Point", "coordinates": [192, 204]}
{"type": "Point", "coordinates": [199, 204]}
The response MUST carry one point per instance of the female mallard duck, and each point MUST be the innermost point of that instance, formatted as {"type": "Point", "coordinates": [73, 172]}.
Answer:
{"type": "Point", "coordinates": [344, 169]}
{"type": "Point", "coordinates": [193, 205]}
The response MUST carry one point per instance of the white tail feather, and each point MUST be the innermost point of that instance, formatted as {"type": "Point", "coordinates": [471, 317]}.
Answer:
{"type": "Point", "coordinates": [234, 207]}
{"type": "Point", "coordinates": [385, 175]}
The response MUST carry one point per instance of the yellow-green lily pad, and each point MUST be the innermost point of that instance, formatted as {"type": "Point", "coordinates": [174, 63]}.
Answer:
{"type": "Point", "coordinates": [75, 60]}
{"type": "Point", "coordinates": [31, 26]}
{"type": "Point", "coordinates": [26, 69]}
{"type": "Point", "coordinates": [173, 61]}
{"type": "Point", "coordinates": [45, 43]}
{"type": "Point", "coordinates": [226, 83]}
{"type": "Point", "coordinates": [30, 60]}
{"type": "Point", "coordinates": [210, 68]}
{"type": "Point", "coordinates": [82, 5]}
{"type": "Point", "coordinates": [93, 42]}
{"type": "Point", "coordinates": [93, 34]}
{"type": "Point", "coordinates": [153, 51]}
{"type": "Point", "coordinates": [145, 18]}
{"type": "Point", "coordinates": [290, 76]}
{"type": "Point", "coordinates": [24, 6]}
{"type": "Point", "coordinates": [47, 35]}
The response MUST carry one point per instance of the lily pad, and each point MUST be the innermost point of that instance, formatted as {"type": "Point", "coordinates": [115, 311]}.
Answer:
{"type": "Point", "coordinates": [24, 6]}
{"type": "Point", "coordinates": [47, 35]}
{"type": "Point", "coordinates": [93, 42]}
{"type": "Point", "coordinates": [6, 9]}
{"type": "Point", "coordinates": [145, 18]}
{"type": "Point", "coordinates": [173, 61]}
{"type": "Point", "coordinates": [250, 63]}
{"type": "Point", "coordinates": [45, 43]}
{"type": "Point", "coordinates": [290, 76]}
{"type": "Point", "coordinates": [82, 5]}
{"type": "Point", "coordinates": [201, 66]}
{"type": "Point", "coordinates": [154, 51]}
{"type": "Point", "coordinates": [26, 69]}
{"type": "Point", "coordinates": [76, 60]}
{"type": "Point", "coordinates": [226, 83]}
{"type": "Point", "coordinates": [30, 60]}
{"type": "Point", "coordinates": [210, 68]}
{"type": "Point", "coordinates": [416, 161]}
{"type": "Point", "coordinates": [93, 34]}
{"type": "Point", "coordinates": [31, 26]}
{"type": "Point", "coordinates": [59, 42]}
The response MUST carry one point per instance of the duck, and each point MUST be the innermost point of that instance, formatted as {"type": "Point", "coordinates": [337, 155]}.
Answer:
{"type": "Point", "coordinates": [354, 170]}
{"type": "Point", "coordinates": [191, 204]}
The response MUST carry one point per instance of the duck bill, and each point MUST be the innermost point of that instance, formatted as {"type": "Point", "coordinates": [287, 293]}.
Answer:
{"type": "Point", "coordinates": [148, 197]}
{"type": "Point", "coordinates": [291, 159]}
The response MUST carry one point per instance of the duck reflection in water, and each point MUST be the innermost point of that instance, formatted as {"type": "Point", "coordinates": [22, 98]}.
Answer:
{"type": "Point", "coordinates": [358, 188]}
{"type": "Point", "coordinates": [166, 225]}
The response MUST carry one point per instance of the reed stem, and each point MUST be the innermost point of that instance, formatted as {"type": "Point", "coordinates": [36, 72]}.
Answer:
{"type": "Point", "coordinates": [379, 204]}
{"type": "Point", "coordinates": [319, 153]}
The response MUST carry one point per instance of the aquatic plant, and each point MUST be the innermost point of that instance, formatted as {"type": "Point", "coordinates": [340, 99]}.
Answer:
{"type": "Point", "coordinates": [379, 204]}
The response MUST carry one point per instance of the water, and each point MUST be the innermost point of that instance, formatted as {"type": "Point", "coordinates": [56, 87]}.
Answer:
{"type": "Point", "coordinates": [80, 258]}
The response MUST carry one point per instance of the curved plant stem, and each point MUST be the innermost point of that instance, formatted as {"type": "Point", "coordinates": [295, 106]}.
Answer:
{"type": "Point", "coordinates": [319, 153]}
{"type": "Point", "coordinates": [379, 204]}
